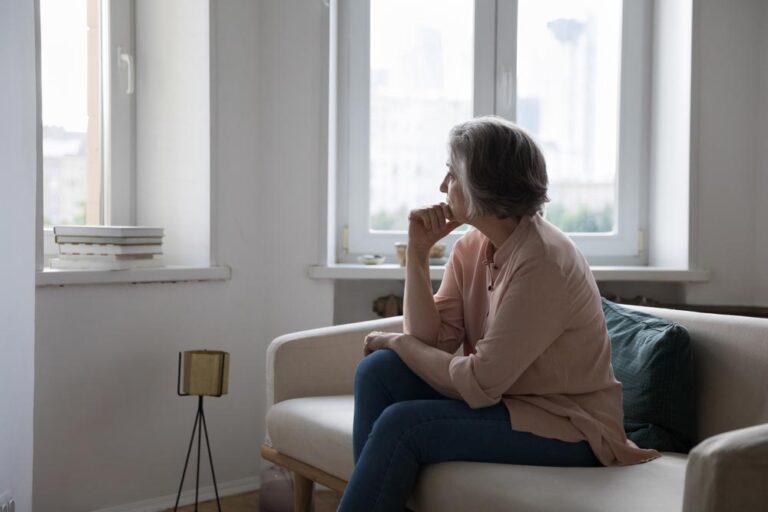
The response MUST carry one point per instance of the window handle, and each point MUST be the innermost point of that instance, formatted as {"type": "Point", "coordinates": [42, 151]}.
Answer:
{"type": "Point", "coordinates": [125, 60]}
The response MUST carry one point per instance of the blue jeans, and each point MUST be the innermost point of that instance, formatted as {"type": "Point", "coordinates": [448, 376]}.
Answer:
{"type": "Point", "coordinates": [401, 423]}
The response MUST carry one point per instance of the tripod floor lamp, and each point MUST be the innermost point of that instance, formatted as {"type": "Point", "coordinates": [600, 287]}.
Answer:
{"type": "Point", "coordinates": [206, 373]}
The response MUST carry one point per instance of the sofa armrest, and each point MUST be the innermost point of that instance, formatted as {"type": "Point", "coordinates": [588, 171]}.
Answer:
{"type": "Point", "coordinates": [321, 361]}
{"type": "Point", "coordinates": [728, 472]}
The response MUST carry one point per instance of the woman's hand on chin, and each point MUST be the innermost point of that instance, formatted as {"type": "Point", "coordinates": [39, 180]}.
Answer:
{"type": "Point", "coordinates": [378, 340]}
{"type": "Point", "coordinates": [426, 226]}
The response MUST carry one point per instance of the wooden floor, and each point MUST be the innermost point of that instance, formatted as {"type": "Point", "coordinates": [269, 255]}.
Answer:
{"type": "Point", "coordinates": [325, 501]}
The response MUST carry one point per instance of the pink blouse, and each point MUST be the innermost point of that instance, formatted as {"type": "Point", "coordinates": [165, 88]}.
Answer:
{"type": "Point", "coordinates": [531, 312]}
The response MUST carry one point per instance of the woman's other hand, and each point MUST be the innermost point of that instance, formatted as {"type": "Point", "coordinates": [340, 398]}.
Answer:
{"type": "Point", "coordinates": [378, 340]}
{"type": "Point", "coordinates": [426, 226]}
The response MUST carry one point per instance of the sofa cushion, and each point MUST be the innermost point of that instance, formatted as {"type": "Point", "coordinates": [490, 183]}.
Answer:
{"type": "Point", "coordinates": [460, 486]}
{"type": "Point", "coordinates": [652, 359]}
{"type": "Point", "coordinates": [318, 431]}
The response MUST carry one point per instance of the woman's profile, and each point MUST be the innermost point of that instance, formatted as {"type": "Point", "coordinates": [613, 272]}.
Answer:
{"type": "Point", "coordinates": [509, 362]}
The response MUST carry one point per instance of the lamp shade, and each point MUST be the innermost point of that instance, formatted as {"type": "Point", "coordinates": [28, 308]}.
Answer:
{"type": "Point", "coordinates": [206, 372]}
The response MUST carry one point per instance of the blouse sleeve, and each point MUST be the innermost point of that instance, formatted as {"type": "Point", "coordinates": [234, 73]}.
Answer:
{"type": "Point", "coordinates": [531, 315]}
{"type": "Point", "coordinates": [450, 306]}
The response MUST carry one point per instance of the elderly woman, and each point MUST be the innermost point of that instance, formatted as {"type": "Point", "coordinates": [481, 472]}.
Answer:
{"type": "Point", "coordinates": [534, 384]}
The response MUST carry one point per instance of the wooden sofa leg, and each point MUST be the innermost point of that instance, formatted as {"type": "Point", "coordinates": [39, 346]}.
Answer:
{"type": "Point", "coordinates": [302, 493]}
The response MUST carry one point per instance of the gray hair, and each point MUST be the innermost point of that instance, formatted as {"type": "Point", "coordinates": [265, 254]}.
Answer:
{"type": "Point", "coordinates": [500, 167]}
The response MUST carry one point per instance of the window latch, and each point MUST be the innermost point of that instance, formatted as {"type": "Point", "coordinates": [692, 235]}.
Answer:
{"type": "Point", "coordinates": [125, 60]}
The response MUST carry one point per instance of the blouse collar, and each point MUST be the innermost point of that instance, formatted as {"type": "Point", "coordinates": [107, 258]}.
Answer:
{"type": "Point", "coordinates": [501, 255]}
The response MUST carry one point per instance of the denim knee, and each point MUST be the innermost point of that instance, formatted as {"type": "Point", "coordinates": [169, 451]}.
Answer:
{"type": "Point", "coordinates": [379, 364]}
{"type": "Point", "coordinates": [398, 417]}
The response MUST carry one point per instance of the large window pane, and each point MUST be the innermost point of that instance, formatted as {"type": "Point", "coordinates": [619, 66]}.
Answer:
{"type": "Point", "coordinates": [568, 98]}
{"type": "Point", "coordinates": [421, 85]}
{"type": "Point", "coordinates": [71, 111]}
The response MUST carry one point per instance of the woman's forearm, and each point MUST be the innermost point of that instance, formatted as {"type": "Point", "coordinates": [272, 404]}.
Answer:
{"type": "Point", "coordinates": [429, 363]}
{"type": "Point", "coordinates": [421, 317]}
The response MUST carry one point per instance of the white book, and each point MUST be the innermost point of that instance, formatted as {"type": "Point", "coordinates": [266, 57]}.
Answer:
{"type": "Point", "coordinates": [97, 249]}
{"type": "Point", "coordinates": [105, 257]}
{"type": "Point", "coordinates": [77, 263]}
{"type": "Point", "coordinates": [116, 240]}
{"type": "Point", "coordinates": [121, 231]}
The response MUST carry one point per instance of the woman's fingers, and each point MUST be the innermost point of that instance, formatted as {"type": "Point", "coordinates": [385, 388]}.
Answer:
{"type": "Point", "coordinates": [436, 218]}
{"type": "Point", "coordinates": [447, 211]}
{"type": "Point", "coordinates": [423, 215]}
{"type": "Point", "coordinates": [370, 343]}
{"type": "Point", "coordinates": [374, 341]}
{"type": "Point", "coordinates": [425, 219]}
{"type": "Point", "coordinates": [433, 218]}
{"type": "Point", "coordinates": [366, 349]}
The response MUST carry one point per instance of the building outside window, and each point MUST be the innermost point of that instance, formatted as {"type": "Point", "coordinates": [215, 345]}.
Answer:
{"type": "Point", "coordinates": [70, 38]}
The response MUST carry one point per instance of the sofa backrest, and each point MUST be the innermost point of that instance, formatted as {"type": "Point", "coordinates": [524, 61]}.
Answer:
{"type": "Point", "coordinates": [731, 364]}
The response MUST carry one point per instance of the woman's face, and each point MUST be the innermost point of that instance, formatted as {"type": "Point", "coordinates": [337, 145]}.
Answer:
{"type": "Point", "coordinates": [455, 197]}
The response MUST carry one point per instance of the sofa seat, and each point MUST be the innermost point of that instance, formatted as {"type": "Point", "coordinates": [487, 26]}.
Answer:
{"type": "Point", "coordinates": [318, 431]}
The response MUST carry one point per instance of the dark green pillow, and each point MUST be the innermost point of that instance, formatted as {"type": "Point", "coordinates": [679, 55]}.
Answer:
{"type": "Point", "coordinates": [652, 359]}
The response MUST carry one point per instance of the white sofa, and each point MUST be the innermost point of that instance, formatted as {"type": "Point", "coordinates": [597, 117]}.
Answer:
{"type": "Point", "coordinates": [309, 430]}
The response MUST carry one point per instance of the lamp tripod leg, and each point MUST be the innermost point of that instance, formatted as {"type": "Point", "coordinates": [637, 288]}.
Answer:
{"type": "Point", "coordinates": [210, 459]}
{"type": "Point", "coordinates": [186, 461]}
{"type": "Point", "coordinates": [199, 441]}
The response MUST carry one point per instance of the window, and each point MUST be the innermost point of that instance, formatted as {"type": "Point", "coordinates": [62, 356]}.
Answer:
{"type": "Point", "coordinates": [70, 39]}
{"type": "Point", "coordinates": [572, 72]}
{"type": "Point", "coordinates": [88, 113]}
{"type": "Point", "coordinates": [118, 79]}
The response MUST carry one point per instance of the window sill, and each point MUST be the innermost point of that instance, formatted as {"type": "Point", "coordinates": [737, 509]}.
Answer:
{"type": "Point", "coordinates": [54, 277]}
{"type": "Point", "coordinates": [601, 273]}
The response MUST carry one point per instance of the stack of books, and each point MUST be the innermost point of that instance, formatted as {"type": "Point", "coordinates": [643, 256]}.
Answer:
{"type": "Point", "coordinates": [108, 247]}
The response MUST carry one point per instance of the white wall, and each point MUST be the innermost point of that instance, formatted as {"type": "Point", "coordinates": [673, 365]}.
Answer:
{"type": "Point", "coordinates": [109, 428]}
{"type": "Point", "coordinates": [173, 126]}
{"type": "Point", "coordinates": [669, 197]}
{"type": "Point", "coordinates": [730, 46]}
{"type": "Point", "coordinates": [761, 181]}
{"type": "Point", "coordinates": [18, 171]}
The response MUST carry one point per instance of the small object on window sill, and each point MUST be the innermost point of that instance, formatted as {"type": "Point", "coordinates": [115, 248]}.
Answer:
{"type": "Point", "coordinates": [436, 253]}
{"type": "Point", "coordinates": [108, 247]}
{"type": "Point", "coordinates": [389, 305]}
{"type": "Point", "coordinates": [371, 259]}
{"type": "Point", "coordinates": [638, 300]}
{"type": "Point", "coordinates": [400, 250]}
{"type": "Point", "coordinates": [108, 231]}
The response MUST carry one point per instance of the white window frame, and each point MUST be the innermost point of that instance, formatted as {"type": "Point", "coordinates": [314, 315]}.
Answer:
{"type": "Point", "coordinates": [495, 93]}
{"type": "Point", "coordinates": [118, 127]}
{"type": "Point", "coordinates": [119, 107]}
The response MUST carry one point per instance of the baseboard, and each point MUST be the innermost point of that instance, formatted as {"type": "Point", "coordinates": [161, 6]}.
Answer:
{"type": "Point", "coordinates": [206, 493]}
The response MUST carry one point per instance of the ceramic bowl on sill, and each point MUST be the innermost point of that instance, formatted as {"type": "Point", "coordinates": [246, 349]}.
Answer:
{"type": "Point", "coordinates": [371, 259]}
